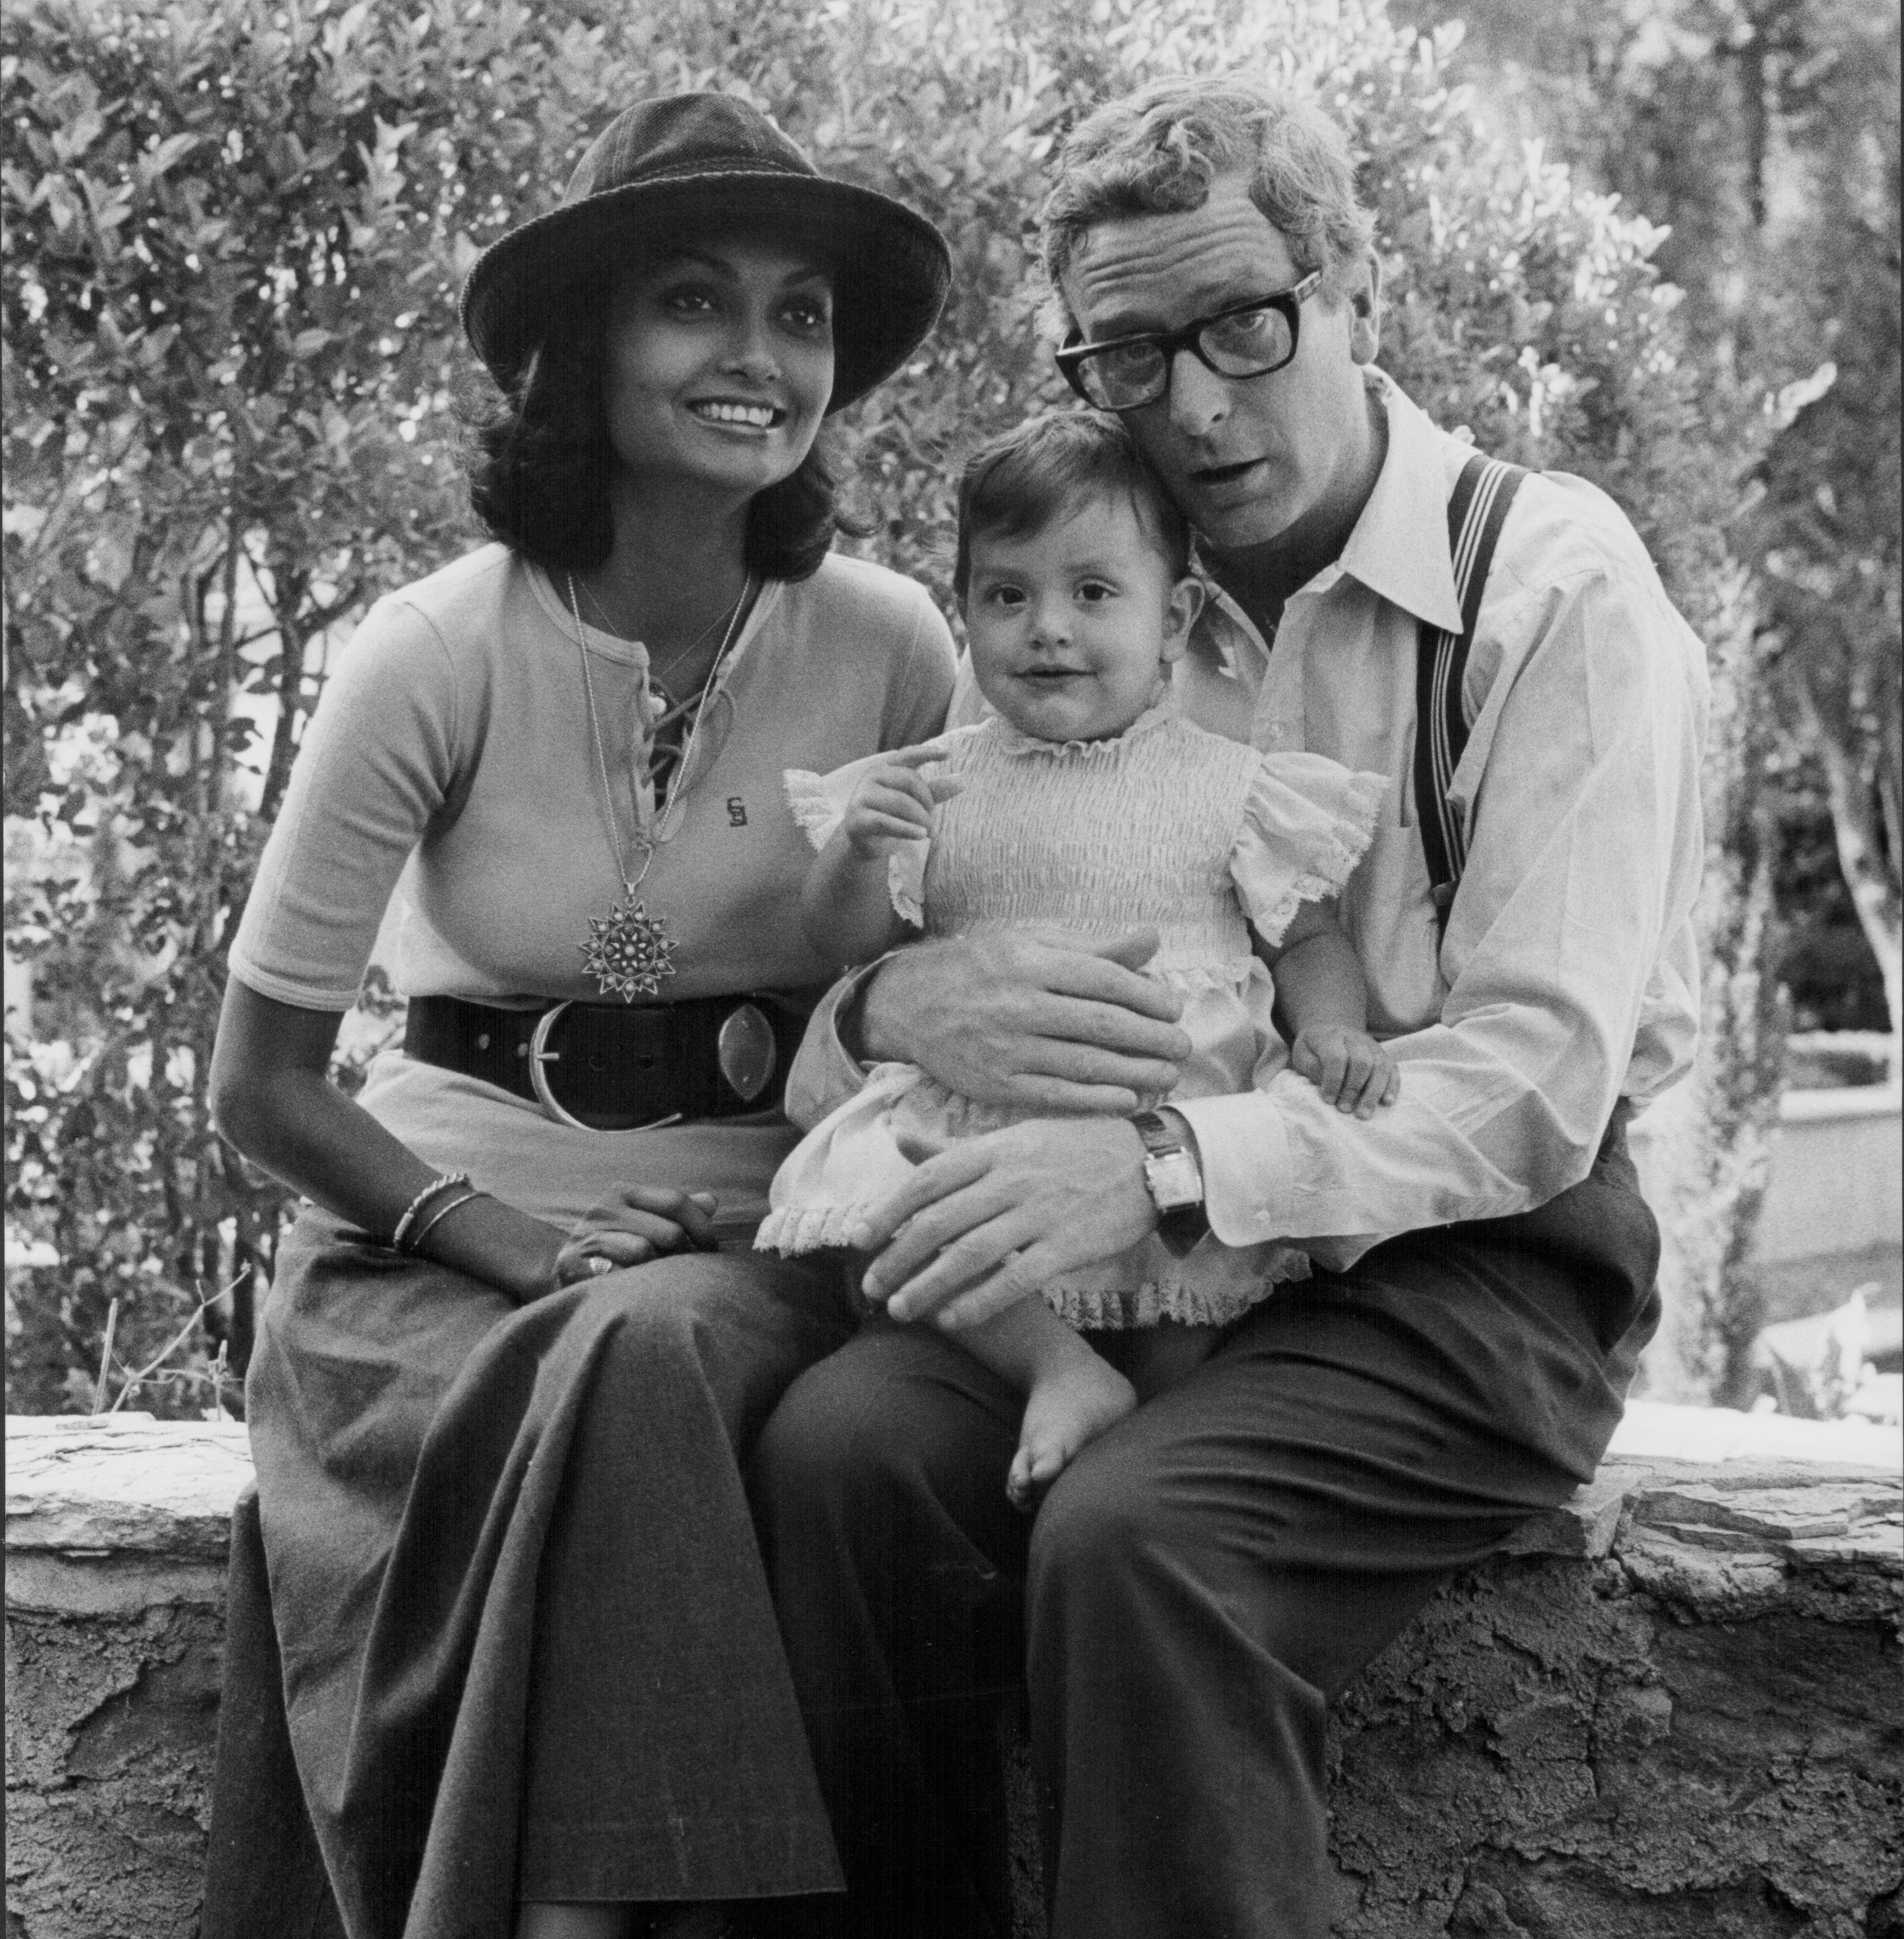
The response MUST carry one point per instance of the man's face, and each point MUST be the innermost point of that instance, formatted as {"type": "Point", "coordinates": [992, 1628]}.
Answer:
{"type": "Point", "coordinates": [1247, 458]}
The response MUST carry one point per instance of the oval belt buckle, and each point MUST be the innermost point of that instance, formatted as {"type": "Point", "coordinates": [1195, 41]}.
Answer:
{"type": "Point", "coordinates": [540, 1054]}
{"type": "Point", "coordinates": [744, 1047]}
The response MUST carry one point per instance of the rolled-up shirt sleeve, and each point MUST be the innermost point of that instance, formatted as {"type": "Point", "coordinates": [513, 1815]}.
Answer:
{"type": "Point", "coordinates": [824, 1073]}
{"type": "Point", "coordinates": [1573, 913]}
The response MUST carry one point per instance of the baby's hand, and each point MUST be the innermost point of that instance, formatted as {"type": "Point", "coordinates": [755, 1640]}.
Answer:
{"type": "Point", "coordinates": [895, 800]}
{"type": "Point", "coordinates": [1350, 1070]}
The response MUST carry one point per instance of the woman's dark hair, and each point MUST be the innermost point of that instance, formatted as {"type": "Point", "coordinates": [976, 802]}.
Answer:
{"type": "Point", "coordinates": [541, 462]}
{"type": "Point", "coordinates": [1019, 482]}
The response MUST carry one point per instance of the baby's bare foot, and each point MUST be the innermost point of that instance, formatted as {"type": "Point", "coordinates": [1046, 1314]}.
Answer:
{"type": "Point", "coordinates": [1067, 1409]}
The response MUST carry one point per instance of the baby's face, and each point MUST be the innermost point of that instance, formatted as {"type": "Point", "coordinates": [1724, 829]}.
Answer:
{"type": "Point", "coordinates": [1070, 627]}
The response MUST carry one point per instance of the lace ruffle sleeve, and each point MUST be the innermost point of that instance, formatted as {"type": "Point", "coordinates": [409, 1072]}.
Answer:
{"type": "Point", "coordinates": [1306, 821]}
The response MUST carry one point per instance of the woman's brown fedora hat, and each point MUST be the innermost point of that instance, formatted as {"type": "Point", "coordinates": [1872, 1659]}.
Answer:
{"type": "Point", "coordinates": [692, 161]}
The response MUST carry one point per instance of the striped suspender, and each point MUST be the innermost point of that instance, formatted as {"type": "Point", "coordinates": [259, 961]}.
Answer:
{"type": "Point", "coordinates": [1476, 514]}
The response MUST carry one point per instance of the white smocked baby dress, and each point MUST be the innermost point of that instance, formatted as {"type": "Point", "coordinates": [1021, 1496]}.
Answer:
{"type": "Point", "coordinates": [1166, 826]}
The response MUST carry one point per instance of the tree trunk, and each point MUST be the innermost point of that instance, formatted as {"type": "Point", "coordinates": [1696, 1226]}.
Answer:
{"type": "Point", "coordinates": [1753, 119]}
{"type": "Point", "coordinates": [1865, 819]}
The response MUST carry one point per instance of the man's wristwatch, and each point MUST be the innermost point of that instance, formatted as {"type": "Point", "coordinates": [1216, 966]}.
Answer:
{"type": "Point", "coordinates": [1174, 1180]}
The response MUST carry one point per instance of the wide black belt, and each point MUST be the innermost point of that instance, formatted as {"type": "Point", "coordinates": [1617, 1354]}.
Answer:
{"type": "Point", "coordinates": [622, 1066]}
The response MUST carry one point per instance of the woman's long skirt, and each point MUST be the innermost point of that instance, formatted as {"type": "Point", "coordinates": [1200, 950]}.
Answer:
{"type": "Point", "coordinates": [525, 1642]}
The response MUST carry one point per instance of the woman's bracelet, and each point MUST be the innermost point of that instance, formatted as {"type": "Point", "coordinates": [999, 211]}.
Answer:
{"type": "Point", "coordinates": [398, 1237]}
{"type": "Point", "coordinates": [437, 1218]}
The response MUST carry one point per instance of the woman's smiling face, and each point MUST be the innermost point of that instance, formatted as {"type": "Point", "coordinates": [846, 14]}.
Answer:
{"type": "Point", "coordinates": [719, 365]}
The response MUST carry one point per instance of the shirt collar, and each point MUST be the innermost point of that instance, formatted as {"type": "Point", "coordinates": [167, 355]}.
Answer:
{"type": "Point", "coordinates": [1398, 549]}
{"type": "Point", "coordinates": [1224, 631]}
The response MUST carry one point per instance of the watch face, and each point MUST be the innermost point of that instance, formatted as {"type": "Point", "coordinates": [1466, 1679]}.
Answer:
{"type": "Point", "coordinates": [1174, 1180]}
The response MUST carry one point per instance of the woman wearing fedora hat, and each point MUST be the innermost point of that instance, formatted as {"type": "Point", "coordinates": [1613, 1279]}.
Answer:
{"type": "Point", "coordinates": [516, 1668]}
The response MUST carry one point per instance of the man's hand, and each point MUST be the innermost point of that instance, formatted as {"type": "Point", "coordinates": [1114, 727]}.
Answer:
{"type": "Point", "coordinates": [1046, 1021]}
{"type": "Point", "coordinates": [1353, 1072]}
{"type": "Point", "coordinates": [893, 801]}
{"type": "Point", "coordinates": [990, 1220]}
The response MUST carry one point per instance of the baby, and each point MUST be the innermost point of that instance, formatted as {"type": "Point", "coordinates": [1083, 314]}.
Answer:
{"type": "Point", "coordinates": [1087, 803]}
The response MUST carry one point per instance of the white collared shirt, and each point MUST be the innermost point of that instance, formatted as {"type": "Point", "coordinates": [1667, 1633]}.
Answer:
{"type": "Point", "coordinates": [1568, 976]}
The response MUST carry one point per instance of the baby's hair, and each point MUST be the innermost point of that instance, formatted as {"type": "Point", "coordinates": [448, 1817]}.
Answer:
{"type": "Point", "coordinates": [1019, 482]}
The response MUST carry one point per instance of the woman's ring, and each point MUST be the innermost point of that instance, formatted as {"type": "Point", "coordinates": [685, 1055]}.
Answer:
{"type": "Point", "coordinates": [595, 1263]}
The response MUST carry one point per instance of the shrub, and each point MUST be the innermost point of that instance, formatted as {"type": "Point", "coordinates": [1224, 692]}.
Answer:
{"type": "Point", "coordinates": [236, 228]}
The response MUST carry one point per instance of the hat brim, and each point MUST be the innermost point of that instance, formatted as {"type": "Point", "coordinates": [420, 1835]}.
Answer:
{"type": "Point", "coordinates": [890, 267]}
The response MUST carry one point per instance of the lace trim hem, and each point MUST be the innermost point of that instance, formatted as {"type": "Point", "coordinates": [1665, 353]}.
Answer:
{"type": "Point", "coordinates": [791, 1230]}
{"type": "Point", "coordinates": [1157, 1300]}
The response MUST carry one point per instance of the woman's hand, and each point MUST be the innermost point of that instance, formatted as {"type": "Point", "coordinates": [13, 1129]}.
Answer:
{"type": "Point", "coordinates": [894, 801]}
{"type": "Point", "coordinates": [1042, 1020]}
{"type": "Point", "coordinates": [988, 1221]}
{"type": "Point", "coordinates": [629, 1228]}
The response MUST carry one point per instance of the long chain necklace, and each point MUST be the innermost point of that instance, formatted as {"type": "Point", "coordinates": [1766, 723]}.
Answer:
{"type": "Point", "coordinates": [658, 676]}
{"type": "Point", "coordinates": [629, 951]}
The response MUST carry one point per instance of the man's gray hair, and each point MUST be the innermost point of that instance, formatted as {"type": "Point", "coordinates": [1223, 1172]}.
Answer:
{"type": "Point", "coordinates": [1157, 150]}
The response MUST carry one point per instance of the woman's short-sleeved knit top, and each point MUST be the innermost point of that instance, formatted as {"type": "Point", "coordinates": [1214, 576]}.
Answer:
{"type": "Point", "coordinates": [451, 762]}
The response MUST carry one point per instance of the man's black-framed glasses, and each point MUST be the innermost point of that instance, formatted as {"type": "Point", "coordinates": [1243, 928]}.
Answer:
{"type": "Point", "coordinates": [1247, 340]}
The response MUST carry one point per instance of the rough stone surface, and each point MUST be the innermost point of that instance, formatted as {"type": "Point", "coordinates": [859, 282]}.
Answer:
{"type": "Point", "coordinates": [123, 1484]}
{"type": "Point", "coordinates": [1696, 1730]}
{"type": "Point", "coordinates": [115, 1627]}
{"type": "Point", "coordinates": [1673, 1712]}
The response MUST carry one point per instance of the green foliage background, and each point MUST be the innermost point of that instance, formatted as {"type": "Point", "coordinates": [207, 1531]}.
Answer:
{"type": "Point", "coordinates": [235, 231]}
{"type": "Point", "coordinates": [1765, 132]}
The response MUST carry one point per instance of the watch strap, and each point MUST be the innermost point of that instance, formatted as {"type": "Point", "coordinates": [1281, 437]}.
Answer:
{"type": "Point", "coordinates": [1174, 1177]}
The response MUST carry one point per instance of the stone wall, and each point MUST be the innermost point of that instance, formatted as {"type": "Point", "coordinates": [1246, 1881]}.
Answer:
{"type": "Point", "coordinates": [116, 1536]}
{"type": "Point", "coordinates": [1675, 1710]}
{"type": "Point", "coordinates": [1696, 1730]}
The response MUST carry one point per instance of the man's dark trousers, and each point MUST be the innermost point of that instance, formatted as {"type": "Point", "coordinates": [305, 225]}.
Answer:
{"type": "Point", "coordinates": [1196, 1588]}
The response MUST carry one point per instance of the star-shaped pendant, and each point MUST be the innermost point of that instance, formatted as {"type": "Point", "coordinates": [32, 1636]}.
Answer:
{"type": "Point", "coordinates": [629, 951]}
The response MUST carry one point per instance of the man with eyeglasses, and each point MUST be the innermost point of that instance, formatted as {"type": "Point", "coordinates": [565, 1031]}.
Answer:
{"type": "Point", "coordinates": [1206, 1576]}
